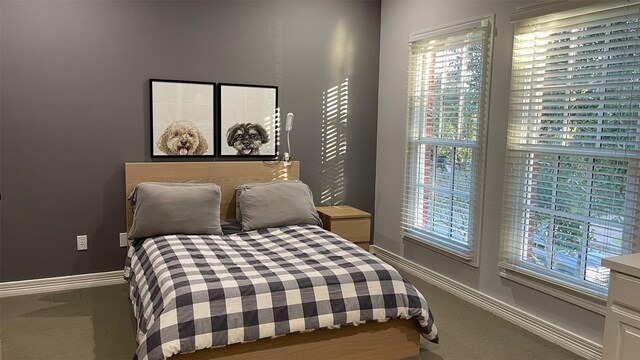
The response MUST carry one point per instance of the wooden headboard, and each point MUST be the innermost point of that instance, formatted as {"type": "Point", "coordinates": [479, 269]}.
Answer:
{"type": "Point", "coordinates": [227, 175]}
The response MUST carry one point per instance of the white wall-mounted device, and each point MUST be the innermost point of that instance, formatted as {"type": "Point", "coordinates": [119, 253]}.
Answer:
{"type": "Point", "coordinates": [288, 126]}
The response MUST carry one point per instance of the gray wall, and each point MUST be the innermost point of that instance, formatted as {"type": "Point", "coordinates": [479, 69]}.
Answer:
{"type": "Point", "coordinates": [74, 106]}
{"type": "Point", "coordinates": [399, 19]}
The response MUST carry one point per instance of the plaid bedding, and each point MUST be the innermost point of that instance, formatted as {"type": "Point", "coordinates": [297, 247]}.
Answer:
{"type": "Point", "coordinates": [196, 292]}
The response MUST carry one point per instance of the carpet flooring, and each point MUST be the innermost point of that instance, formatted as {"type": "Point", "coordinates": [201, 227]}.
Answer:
{"type": "Point", "coordinates": [470, 333]}
{"type": "Point", "coordinates": [95, 324]}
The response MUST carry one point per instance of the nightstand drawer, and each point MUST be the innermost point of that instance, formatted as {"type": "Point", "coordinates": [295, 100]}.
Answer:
{"type": "Point", "coordinates": [626, 289]}
{"type": "Point", "coordinates": [356, 230]}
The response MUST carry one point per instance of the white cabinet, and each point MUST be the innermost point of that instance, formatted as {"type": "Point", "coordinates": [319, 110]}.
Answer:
{"type": "Point", "coordinates": [622, 326]}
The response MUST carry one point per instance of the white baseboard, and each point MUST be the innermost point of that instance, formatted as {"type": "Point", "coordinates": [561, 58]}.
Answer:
{"type": "Point", "coordinates": [551, 332]}
{"type": "Point", "coordinates": [36, 286]}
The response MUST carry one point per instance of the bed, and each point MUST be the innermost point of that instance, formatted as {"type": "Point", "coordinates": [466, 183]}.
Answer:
{"type": "Point", "coordinates": [393, 339]}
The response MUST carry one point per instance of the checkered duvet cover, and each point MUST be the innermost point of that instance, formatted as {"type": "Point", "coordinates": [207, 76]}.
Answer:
{"type": "Point", "coordinates": [195, 292]}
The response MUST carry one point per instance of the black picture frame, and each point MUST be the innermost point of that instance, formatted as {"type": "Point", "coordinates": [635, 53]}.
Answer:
{"type": "Point", "coordinates": [187, 109]}
{"type": "Point", "coordinates": [251, 113]}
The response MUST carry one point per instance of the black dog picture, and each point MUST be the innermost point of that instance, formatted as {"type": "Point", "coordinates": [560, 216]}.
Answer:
{"type": "Point", "coordinates": [248, 120]}
{"type": "Point", "coordinates": [247, 138]}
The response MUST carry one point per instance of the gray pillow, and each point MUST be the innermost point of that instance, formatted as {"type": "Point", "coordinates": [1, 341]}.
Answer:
{"type": "Point", "coordinates": [175, 208]}
{"type": "Point", "coordinates": [242, 187]}
{"type": "Point", "coordinates": [277, 204]}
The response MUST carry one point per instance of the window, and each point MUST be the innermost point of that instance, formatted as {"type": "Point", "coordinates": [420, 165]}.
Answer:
{"type": "Point", "coordinates": [572, 165]}
{"type": "Point", "coordinates": [448, 81]}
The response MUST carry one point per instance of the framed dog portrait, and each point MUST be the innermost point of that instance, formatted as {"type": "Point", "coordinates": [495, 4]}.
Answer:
{"type": "Point", "coordinates": [182, 114]}
{"type": "Point", "coordinates": [248, 121]}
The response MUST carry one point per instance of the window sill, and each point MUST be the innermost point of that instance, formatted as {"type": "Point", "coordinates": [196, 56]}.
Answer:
{"type": "Point", "coordinates": [582, 299]}
{"type": "Point", "coordinates": [440, 249]}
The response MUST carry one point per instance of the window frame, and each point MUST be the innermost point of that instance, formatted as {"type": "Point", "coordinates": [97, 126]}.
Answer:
{"type": "Point", "coordinates": [588, 294]}
{"type": "Point", "coordinates": [468, 254]}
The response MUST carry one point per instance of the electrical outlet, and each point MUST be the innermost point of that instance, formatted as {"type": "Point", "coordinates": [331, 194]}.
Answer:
{"type": "Point", "coordinates": [123, 239]}
{"type": "Point", "coordinates": [82, 242]}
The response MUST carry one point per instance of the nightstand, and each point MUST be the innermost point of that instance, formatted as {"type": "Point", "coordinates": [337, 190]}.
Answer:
{"type": "Point", "coordinates": [622, 324]}
{"type": "Point", "coordinates": [348, 222]}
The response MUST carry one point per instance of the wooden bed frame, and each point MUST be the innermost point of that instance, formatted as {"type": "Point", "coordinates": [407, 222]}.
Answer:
{"type": "Point", "coordinates": [395, 339]}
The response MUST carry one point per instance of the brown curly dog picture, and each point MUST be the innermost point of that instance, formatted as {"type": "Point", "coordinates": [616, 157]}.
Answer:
{"type": "Point", "coordinates": [182, 138]}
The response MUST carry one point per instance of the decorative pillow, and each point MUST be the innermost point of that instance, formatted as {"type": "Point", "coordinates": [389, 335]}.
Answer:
{"type": "Point", "coordinates": [242, 187]}
{"type": "Point", "coordinates": [175, 208]}
{"type": "Point", "coordinates": [277, 204]}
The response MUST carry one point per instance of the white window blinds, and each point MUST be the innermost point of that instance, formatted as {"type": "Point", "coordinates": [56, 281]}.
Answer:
{"type": "Point", "coordinates": [571, 177]}
{"type": "Point", "coordinates": [448, 81]}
